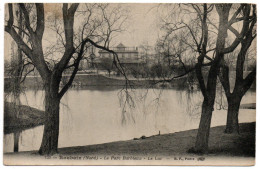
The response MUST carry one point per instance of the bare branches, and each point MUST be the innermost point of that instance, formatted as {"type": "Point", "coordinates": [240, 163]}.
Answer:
{"type": "Point", "coordinates": [246, 22]}
{"type": "Point", "coordinates": [68, 15]}
{"type": "Point", "coordinates": [234, 17]}
{"type": "Point", "coordinates": [224, 78]}
{"type": "Point", "coordinates": [27, 19]}
{"type": "Point", "coordinates": [20, 29]}
{"type": "Point", "coordinates": [24, 76]}
{"type": "Point", "coordinates": [36, 53]}
{"type": "Point", "coordinates": [244, 38]}
{"type": "Point", "coordinates": [96, 31]}
{"type": "Point", "coordinates": [235, 32]}
{"type": "Point", "coordinates": [72, 76]}
{"type": "Point", "coordinates": [79, 57]}
{"type": "Point", "coordinates": [197, 41]}
{"type": "Point", "coordinates": [247, 82]}
{"type": "Point", "coordinates": [116, 59]}
{"type": "Point", "coordinates": [113, 21]}
{"type": "Point", "coordinates": [203, 51]}
{"type": "Point", "coordinates": [9, 28]}
{"type": "Point", "coordinates": [75, 70]}
{"type": "Point", "coordinates": [110, 24]}
{"type": "Point", "coordinates": [232, 46]}
{"type": "Point", "coordinates": [86, 23]}
{"type": "Point", "coordinates": [193, 37]}
{"type": "Point", "coordinates": [68, 21]}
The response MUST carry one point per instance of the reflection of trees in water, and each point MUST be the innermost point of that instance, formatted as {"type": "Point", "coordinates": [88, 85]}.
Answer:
{"type": "Point", "coordinates": [220, 101]}
{"type": "Point", "coordinates": [139, 103]}
{"type": "Point", "coordinates": [127, 104]}
{"type": "Point", "coordinates": [38, 92]}
{"type": "Point", "coordinates": [7, 140]}
{"type": "Point", "coordinates": [191, 99]}
{"type": "Point", "coordinates": [67, 115]}
{"type": "Point", "coordinates": [14, 92]}
{"type": "Point", "coordinates": [132, 102]}
{"type": "Point", "coordinates": [23, 137]}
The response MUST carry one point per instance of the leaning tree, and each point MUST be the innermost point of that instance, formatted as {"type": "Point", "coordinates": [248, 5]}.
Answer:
{"type": "Point", "coordinates": [97, 23]}
{"type": "Point", "coordinates": [245, 15]}
{"type": "Point", "coordinates": [203, 30]}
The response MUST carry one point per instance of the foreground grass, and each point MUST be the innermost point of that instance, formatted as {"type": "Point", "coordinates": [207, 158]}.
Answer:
{"type": "Point", "coordinates": [220, 144]}
{"type": "Point", "coordinates": [177, 143]}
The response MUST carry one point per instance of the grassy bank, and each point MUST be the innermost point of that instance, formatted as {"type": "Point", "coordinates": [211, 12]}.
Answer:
{"type": "Point", "coordinates": [220, 144]}
{"type": "Point", "coordinates": [82, 80]}
{"type": "Point", "coordinates": [28, 117]}
{"type": "Point", "coordinates": [177, 143]}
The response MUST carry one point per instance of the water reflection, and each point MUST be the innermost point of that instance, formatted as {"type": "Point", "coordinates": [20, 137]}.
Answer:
{"type": "Point", "coordinates": [97, 116]}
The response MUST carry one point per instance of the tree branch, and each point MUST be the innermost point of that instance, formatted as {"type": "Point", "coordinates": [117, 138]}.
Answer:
{"type": "Point", "coordinates": [20, 29]}
{"type": "Point", "coordinates": [233, 18]}
{"type": "Point", "coordinates": [68, 22]}
{"type": "Point", "coordinates": [248, 81]}
{"type": "Point", "coordinates": [24, 77]}
{"type": "Point", "coordinates": [11, 16]}
{"type": "Point", "coordinates": [239, 37]}
{"type": "Point", "coordinates": [200, 77]}
{"type": "Point", "coordinates": [40, 20]}
{"type": "Point", "coordinates": [224, 79]}
{"type": "Point", "coordinates": [9, 29]}
{"type": "Point", "coordinates": [27, 19]}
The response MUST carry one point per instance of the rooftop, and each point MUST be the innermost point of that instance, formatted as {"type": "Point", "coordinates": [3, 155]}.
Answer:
{"type": "Point", "coordinates": [122, 49]}
{"type": "Point", "coordinates": [121, 45]}
{"type": "Point", "coordinates": [122, 60]}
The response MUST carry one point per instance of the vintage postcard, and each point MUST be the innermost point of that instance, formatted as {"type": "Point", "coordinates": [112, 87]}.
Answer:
{"type": "Point", "coordinates": [129, 84]}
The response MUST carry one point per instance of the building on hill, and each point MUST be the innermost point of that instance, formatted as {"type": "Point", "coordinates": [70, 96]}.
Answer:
{"type": "Point", "coordinates": [128, 57]}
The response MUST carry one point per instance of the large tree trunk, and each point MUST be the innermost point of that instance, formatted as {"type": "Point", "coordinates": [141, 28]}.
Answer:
{"type": "Point", "coordinates": [209, 90]}
{"type": "Point", "coordinates": [201, 145]}
{"type": "Point", "coordinates": [234, 98]}
{"type": "Point", "coordinates": [51, 126]}
{"type": "Point", "coordinates": [232, 116]}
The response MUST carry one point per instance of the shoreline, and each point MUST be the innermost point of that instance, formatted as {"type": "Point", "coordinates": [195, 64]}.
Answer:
{"type": "Point", "coordinates": [29, 117]}
{"type": "Point", "coordinates": [178, 143]}
{"type": "Point", "coordinates": [166, 149]}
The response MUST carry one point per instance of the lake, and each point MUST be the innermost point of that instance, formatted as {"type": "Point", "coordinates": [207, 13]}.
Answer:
{"type": "Point", "coordinates": [94, 116]}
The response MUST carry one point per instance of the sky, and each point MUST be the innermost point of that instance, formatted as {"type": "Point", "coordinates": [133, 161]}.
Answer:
{"type": "Point", "coordinates": [141, 26]}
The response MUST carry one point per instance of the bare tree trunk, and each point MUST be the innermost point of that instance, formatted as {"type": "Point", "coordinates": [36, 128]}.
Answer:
{"type": "Point", "coordinates": [234, 98]}
{"type": "Point", "coordinates": [201, 145]}
{"type": "Point", "coordinates": [209, 90]}
{"type": "Point", "coordinates": [232, 117]}
{"type": "Point", "coordinates": [209, 93]}
{"type": "Point", "coordinates": [49, 143]}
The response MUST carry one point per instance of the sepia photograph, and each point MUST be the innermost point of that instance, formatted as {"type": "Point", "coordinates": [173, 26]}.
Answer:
{"type": "Point", "coordinates": [168, 84]}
